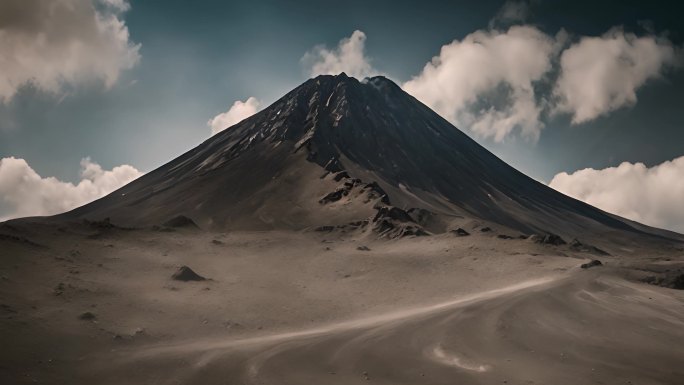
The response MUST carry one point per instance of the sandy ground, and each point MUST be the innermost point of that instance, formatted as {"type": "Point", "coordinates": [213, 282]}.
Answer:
{"type": "Point", "coordinates": [307, 308]}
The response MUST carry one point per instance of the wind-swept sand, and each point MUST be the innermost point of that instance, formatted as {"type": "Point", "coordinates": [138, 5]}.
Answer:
{"type": "Point", "coordinates": [311, 308]}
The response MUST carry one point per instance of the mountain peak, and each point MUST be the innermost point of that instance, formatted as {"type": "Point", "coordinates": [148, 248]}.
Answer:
{"type": "Point", "coordinates": [337, 150]}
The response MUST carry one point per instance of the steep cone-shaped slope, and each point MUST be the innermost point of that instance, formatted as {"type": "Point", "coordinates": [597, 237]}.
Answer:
{"type": "Point", "coordinates": [268, 170]}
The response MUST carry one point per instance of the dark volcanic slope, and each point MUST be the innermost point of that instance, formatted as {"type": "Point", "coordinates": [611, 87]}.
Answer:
{"type": "Point", "coordinates": [268, 170]}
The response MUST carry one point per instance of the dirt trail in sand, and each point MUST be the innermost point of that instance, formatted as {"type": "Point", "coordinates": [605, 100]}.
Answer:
{"type": "Point", "coordinates": [553, 330]}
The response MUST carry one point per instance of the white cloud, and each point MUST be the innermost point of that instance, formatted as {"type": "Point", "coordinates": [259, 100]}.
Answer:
{"type": "Point", "coordinates": [349, 57]}
{"type": "Point", "coordinates": [236, 113]}
{"type": "Point", "coordinates": [25, 193]}
{"type": "Point", "coordinates": [119, 5]}
{"type": "Point", "coordinates": [53, 45]}
{"type": "Point", "coordinates": [648, 195]}
{"type": "Point", "coordinates": [602, 74]}
{"type": "Point", "coordinates": [485, 82]}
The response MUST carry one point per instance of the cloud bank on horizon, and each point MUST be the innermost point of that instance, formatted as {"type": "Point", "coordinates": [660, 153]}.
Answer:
{"type": "Point", "coordinates": [25, 193]}
{"type": "Point", "coordinates": [56, 45]}
{"type": "Point", "coordinates": [652, 196]}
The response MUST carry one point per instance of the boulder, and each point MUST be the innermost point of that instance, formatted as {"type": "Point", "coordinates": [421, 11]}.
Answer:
{"type": "Point", "coordinates": [186, 274]}
{"type": "Point", "coordinates": [591, 264]}
{"type": "Point", "coordinates": [180, 221]}
{"type": "Point", "coordinates": [460, 232]}
{"type": "Point", "coordinates": [576, 245]}
{"type": "Point", "coordinates": [548, 239]}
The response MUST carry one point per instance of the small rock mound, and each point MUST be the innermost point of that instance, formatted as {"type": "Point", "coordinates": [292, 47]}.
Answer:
{"type": "Point", "coordinates": [87, 316]}
{"type": "Point", "coordinates": [460, 232]}
{"type": "Point", "coordinates": [392, 222]}
{"type": "Point", "coordinates": [180, 221]}
{"type": "Point", "coordinates": [369, 191]}
{"type": "Point", "coordinates": [103, 224]}
{"type": "Point", "coordinates": [548, 239]}
{"type": "Point", "coordinates": [591, 264]}
{"type": "Point", "coordinates": [576, 245]}
{"type": "Point", "coordinates": [186, 274]}
{"type": "Point", "coordinates": [670, 281]}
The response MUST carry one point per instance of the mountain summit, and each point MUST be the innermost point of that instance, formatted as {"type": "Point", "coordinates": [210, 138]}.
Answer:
{"type": "Point", "coordinates": [339, 153]}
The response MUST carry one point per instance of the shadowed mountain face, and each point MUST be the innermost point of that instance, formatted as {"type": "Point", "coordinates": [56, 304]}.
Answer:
{"type": "Point", "coordinates": [336, 151]}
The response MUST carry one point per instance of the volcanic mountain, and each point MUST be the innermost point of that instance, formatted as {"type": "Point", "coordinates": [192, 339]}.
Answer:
{"type": "Point", "coordinates": [339, 153]}
{"type": "Point", "coordinates": [345, 234]}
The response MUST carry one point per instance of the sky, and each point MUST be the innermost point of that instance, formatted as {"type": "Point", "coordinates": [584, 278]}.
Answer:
{"type": "Point", "coordinates": [585, 96]}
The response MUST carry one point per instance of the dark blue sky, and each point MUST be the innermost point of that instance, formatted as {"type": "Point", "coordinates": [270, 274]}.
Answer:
{"type": "Point", "coordinates": [197, 58]}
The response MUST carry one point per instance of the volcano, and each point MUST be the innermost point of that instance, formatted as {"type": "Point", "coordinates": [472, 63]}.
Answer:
{"type": "Point", "coordinates": [337, 152]}
{"type": "Point", "coordinates": [348, 234]}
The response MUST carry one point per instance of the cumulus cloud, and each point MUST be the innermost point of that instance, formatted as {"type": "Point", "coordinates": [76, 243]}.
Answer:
{"type": "Point", "coordinates": [601, 74]}
{"type": "Point", "coordinates": [348, 57]}
{"type": "Point", "coordinates": [652, 196]}
{"type": "Point", "coordinates": [236, 113]}
{"type": "Point", "coordinates": [25, 193]}
{"type": "Point", "coordinates": [53, 45]}
{"type": "Point", "coordinates": [485, 82]}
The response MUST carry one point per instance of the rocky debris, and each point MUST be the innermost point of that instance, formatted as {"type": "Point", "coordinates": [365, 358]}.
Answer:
{"type": "Point", "coordinates": [180, 221]}
{"type": "Point", "coordinates": [59, 289]}
{"type": "Point", "coordinates": [356, 224]}
{"type": "Point", "coordinates": [103, 224]}
{"type": "Point", "coordinates": [15, 238]}
{"type": "Point", "coordinates": [186, 274]}
{"type": "Point", "coordinates": [591, 264]}
{"type": "Point", "coordinates": [370, 191]}
{"type": "Point", "coordinates": [413, 231]}
{"type": "Point", "coordinates": [548, 239]}
{"type": "Point", "coordinates": [217, 242]}
{"type": "Point", "coordinates": [670, 280]}
{"type": "Point", "coordinates": [391, 212]}
{"type": "Point", "coordinates": [363, 248]}
{"type": "Point", "coordinates": [346, 227]}
{"type": "Point", "coordinates": [389, 221]}
{"type": "Point", "coordinates": [419, 215]}
{"type": "Point", "coordinates": [460, 232]}
{"type": "Point", "coordinates": [374, 191]}
{"type": "Point", "coordinates": [576, 245]}
{"type": "Point", "coordinates": [334, 196]}
{"type": "Point", "coordinates": [340, 175]}
{"type": "Point", "coordinates": [87, 316]}
{"type": "Point", "coordinates": [486, 229]}
{"type": "Point", "coordinates": [393, 222]}
{"type": "Point", "coordinates": [388, 229]}
{"type": "Point", "coordinates": [504, 236]}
